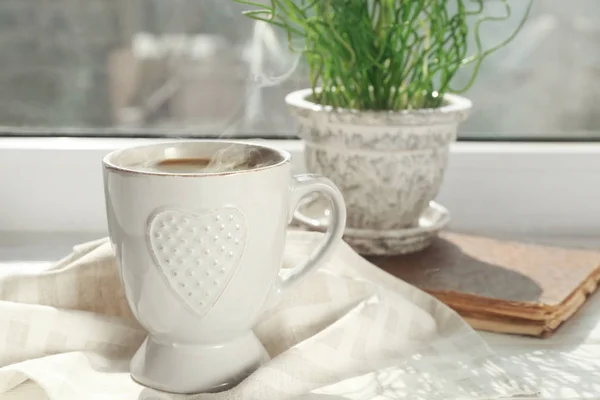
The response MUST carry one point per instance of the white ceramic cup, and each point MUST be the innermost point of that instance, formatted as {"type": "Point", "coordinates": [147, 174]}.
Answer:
{"type": "Point", "coordinates": [200, 257]}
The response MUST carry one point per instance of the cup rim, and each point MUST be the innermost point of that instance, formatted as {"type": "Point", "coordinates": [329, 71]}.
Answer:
{"type": "Point", "coordinates": [109, 164]}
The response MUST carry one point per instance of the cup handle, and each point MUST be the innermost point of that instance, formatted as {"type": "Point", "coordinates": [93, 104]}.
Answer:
{"type": "Point", "coordinates": [302, 185]}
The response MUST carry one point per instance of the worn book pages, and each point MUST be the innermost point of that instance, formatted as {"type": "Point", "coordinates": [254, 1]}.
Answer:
{"type": "Point", "coordinates": [502, 286]}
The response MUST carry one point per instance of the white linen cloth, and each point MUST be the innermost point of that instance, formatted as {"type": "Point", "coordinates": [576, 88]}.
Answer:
{"type": "Point", "coordinates": [348, 331]}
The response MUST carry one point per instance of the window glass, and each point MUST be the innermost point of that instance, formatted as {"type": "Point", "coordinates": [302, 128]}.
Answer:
{"type": "Point", "coordinates": [546, 83]}
{"type": "Point", "coordinates": [198, 67]}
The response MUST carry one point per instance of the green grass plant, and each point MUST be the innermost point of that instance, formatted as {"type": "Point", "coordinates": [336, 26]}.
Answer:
{"type": "Point", "coordinates": [384, 54]}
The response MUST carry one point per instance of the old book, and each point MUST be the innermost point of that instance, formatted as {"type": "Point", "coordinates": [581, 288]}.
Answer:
{"type": "Point", "coordinates": [501, 286]}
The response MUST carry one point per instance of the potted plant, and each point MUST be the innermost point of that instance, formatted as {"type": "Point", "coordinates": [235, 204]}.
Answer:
{"type": "Point", "coordinates": [381, 111]}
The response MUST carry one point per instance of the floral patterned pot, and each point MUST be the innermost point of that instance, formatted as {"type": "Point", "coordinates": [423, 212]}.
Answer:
{"type": "Point", "coordinates": [388, 165]}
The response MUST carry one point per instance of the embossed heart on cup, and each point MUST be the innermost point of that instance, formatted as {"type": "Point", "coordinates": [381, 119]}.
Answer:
{"type": "Point", "coordinates": [198, 253]}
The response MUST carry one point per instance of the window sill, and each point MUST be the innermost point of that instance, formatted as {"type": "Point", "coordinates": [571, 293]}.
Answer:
{"type": "Point", "coordinates": [546, 190]}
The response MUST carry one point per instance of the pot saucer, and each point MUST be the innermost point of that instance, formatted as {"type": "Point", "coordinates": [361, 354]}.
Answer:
{"type": "Point", "coordinates": [314, 214]}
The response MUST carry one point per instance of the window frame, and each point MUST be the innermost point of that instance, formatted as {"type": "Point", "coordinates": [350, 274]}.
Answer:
{"type": "Point", "coordinates": [520, 189]}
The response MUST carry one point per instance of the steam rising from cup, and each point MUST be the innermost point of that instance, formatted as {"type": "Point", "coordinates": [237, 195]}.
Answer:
{"type": "Point", "coordinates": [237, 158]}
{"type": "Point", "coordinates": [266, 53]}
{"type": "Point", "coordinates": [271, 63]}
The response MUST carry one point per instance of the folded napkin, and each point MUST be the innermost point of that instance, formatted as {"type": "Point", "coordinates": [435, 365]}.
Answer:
{"type": "Point", "coordinates": [348, 331]}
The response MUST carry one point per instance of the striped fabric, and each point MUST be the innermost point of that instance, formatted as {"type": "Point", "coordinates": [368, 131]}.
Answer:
{"type": "Point", "coordinates": [349, 331]}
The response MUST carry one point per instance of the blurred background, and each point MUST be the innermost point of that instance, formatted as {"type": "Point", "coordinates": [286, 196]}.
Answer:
{"type": "Point", "coordinates": [200, 68]}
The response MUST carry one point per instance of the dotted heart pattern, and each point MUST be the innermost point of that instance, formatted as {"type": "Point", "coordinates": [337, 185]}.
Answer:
{"type": "Point", "coordinates": [198, 253]}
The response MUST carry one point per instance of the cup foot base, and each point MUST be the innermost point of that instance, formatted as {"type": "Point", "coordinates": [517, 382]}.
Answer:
{"type": "Point", "coordinates": [196, 368]}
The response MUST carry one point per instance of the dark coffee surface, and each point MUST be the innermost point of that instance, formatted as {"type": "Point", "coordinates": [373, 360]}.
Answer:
{"type": "Point", "coordinates": [182, 164]}
{"type": "Point", "coordinates": [196, 165]}
{"type": "Point", "coordinates": [228, 159]}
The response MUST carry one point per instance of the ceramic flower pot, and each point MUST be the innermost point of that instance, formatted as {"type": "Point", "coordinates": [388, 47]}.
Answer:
{"type": "Point", "coordinates": [388, 165]}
